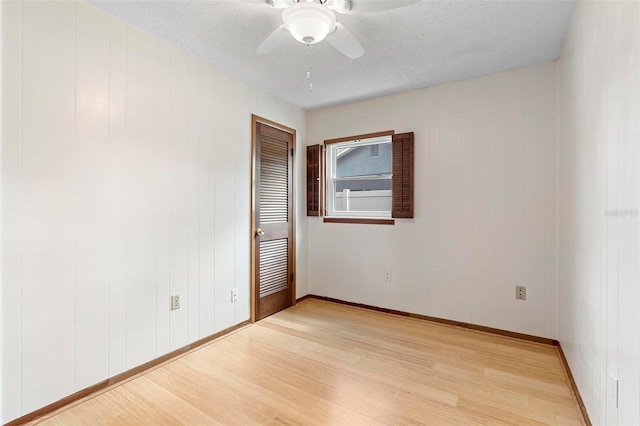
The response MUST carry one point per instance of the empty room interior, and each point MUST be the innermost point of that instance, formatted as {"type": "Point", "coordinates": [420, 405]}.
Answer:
{"type": "Point", "coordinates": [322, 212]}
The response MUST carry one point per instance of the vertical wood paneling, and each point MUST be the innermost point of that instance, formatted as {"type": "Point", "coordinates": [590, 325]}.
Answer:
{"type": "Point", "coordinates": [467, 216]}
{"type": "Point", "coordinates": [243, 205]}
{"type": "Point", "coordinates": [208, 123]}
{"type": "Point", "coordinates": [452, 240]}
{"type": "Point", "coordinates": [432, 232]}
{"type": "Point", "coordinates": [178, 169]}
{"type": "Point", "coordinates": [608, 234]}
{"type": "Point", "coordinates": [225, 196]}
{"type": "Point", "coordinates": [118, 168]}
{"type": "Point", "coordinates": [627, 63]}
{"type": "Point", "coordinates": [481, 222]}
{"type": "Point", "coordinates": [92, 196]}
{"type": "Point", "coordinates": [483, 154]}
{"type": "Point", "coordinates": [508, 184]}
{"type": "Point", "coordinates": [163, 143]}
{"type": "Point", "coordinates": [11, 210]}
{"type": "Point", "coordinates": [195, 177]}
{"type": "Point", "coordinates": [141, 198]}
{"type": "Point", "coordinates": [609, 228]}
{"type": "Point", "coordinates": [551, 201]}
{"type": "Point", "coordinates": [534, 203]}
{"type": "Point", "coordinates": [112, 173]}
{"type": "Point", "coordinates": [48, 179]}
{"type": "Point", "coordinates": [599, 167]}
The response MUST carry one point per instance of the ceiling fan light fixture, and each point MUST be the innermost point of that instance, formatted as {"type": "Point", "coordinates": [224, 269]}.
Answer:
{"type": "Point", "coordinates": [309, 23]}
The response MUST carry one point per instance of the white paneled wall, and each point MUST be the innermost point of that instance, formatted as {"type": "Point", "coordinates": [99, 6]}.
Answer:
{"type": "Point", "coordinates": [92, 197]}
{"type": "Point", "coordinates": [485, 203]}
{"type": "Point", "coordinates": [599, 295]}
{"type": "Point", "coordinates": [125, 179]}
{"type": "Point", "coordinates": [48, 161]}
{"type": "Point", "coordinates": [11, 195]}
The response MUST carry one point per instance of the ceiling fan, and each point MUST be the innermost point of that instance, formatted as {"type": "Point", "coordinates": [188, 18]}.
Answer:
{"type": "Point", "coordinates": [311, 21]}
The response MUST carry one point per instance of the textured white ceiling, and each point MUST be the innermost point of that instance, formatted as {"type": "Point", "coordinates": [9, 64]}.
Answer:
{"type": "Point", "coordinates": [421, 45]}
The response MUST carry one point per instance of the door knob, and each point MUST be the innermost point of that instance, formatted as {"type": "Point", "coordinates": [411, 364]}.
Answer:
{"type": "Point", "coordinates": [259, 232]}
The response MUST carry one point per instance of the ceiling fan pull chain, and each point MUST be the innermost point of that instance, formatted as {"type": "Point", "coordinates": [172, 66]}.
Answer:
{"type": "Point", "coordinates": [310, 70]}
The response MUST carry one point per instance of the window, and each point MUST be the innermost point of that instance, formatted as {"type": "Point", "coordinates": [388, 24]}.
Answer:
{"type": "Point", "coordinates": [361, 179]}
{"type": "Point", "coordinates": [358, 183]}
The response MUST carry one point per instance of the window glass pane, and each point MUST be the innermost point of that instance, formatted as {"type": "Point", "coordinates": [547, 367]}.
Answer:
{"type": "Point", "coordinates": [359, 177]}
{"type": "Point", "coordinates": [363, 161]}
{"type": "Point", "coordinates": [370, 195]}
{"type": "Point", "coordinates": [364, 185]}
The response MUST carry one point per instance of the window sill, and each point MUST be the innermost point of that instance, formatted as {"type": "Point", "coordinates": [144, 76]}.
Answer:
{"type": "Point", "coordinates": [369, 221]}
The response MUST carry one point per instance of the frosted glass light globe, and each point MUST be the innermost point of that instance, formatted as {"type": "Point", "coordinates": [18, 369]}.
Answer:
{"type": "Point", "coordinates": [308, 22]}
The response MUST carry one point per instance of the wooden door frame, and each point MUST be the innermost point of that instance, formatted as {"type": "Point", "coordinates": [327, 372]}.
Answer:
{"type": "Point", "coordinates": [255, 119]}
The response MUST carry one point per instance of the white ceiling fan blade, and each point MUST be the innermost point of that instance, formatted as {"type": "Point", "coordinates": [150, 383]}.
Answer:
{"type": "Point", "coordinates": [274, 40]}
{"type": "Point", "coordinates": [359, 7]}
{"type": "Point", "coordinates": [345, 42]}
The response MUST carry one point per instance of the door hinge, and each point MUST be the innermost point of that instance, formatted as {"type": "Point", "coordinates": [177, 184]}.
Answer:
{"type": "Point", "coordinates": [291, 277]}
{"type": "Point", "coordinates": [292, 152]}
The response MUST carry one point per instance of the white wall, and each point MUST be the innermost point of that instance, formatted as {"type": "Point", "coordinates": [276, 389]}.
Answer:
{"type": "Point", "coordinates": [125, 179]}
{"type": "Point", "coordinates": [599, 296]}
{"type": "Point", "coordinates": [485, 205]}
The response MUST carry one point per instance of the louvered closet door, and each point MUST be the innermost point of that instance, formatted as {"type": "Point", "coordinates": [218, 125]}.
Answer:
{"type": "Point", "coordinates": [274, 228]}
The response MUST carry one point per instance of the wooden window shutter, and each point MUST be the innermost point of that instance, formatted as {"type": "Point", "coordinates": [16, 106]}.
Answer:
{"type": "Point", "coordinates": [314, 180]}
{"type": "Point", "coordinates": [402, 180]}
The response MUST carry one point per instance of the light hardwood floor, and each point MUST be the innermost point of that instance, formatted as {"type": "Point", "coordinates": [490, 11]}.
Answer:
{"type": "Point", "coordinates": [321, 363]}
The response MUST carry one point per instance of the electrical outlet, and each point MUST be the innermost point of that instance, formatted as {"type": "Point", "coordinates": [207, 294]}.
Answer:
{"type": "Point", "coordinates": [387, 276]}
{"type": "Point", "coordinates": [234, 295]}
{"type": "Point", "coordinates": [521, 292]}
{"type": "Point", "coordinates": [175, 302]}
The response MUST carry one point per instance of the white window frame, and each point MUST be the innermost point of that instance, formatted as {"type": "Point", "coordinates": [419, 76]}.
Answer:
{"type": "Point", "coordinates": [331, 179]}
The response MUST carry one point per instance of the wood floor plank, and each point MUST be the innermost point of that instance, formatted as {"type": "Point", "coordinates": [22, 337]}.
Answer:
{"type": "Point", "coordinates": [321, 363]}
